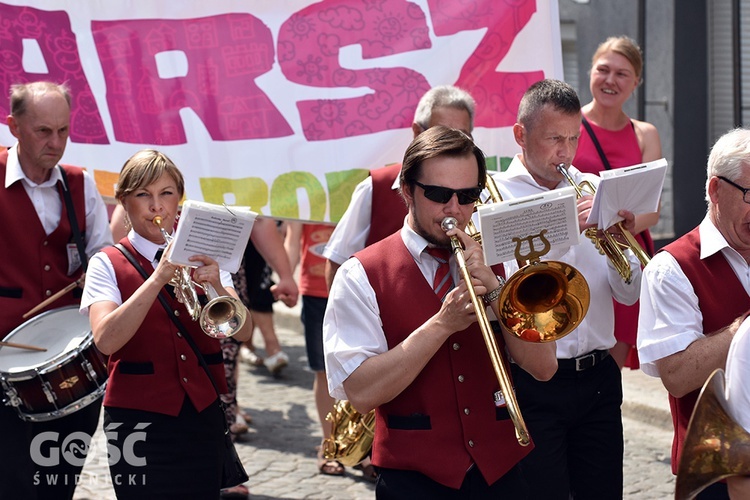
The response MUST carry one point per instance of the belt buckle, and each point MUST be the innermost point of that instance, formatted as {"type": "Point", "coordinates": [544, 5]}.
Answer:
{"type": "Point", "coordinates": [586, 361]}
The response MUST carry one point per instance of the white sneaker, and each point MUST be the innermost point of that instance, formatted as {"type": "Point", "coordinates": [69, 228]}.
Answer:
{"type": "Point", "coordinates": [250, 357]}
{"type": "Point", "coordinates": [276, 362]}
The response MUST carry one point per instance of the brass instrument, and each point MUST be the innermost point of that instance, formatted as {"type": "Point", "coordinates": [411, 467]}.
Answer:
{"type": "Point", "coordinates": [607, 244]}
{"type": "Point", "coordinates": [221, 317]}
{"type": "Point", "coordinates": [352, 434]}
{"type": "Point", "coordinates": [542, 301]}
{"type": "Point", "coordinates": [522, 433]}
{"type": "Point", "coordinates": [715, 446]}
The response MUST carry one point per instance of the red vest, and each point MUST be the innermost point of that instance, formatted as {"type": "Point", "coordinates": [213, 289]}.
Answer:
{"type": "Point", "coordinates": [449, 410]}
{"type": "Point", "coordinates": [388, 207]}
{"type": "Point", "coordinates": [721, 298]}
{"type": "Point", "coordinates": [157, 368]}
{"type": "Point", "coordinates": [34, 265]}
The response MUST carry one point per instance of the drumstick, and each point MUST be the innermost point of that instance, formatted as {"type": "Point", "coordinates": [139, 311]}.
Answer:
{"type": "Point", "coordinates": [53, 298]}
{"type": "Point", "coordinates": [22, 346]}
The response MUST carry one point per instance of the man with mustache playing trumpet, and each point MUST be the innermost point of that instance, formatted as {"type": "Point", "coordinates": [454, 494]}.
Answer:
{"type": "Point", "coordinates": [575, 417]}
{"type": "Point", "coordinates": [397, 341]}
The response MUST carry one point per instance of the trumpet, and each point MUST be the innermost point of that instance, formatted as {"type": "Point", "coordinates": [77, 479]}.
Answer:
{"type": "Point", "coordinates": [607, 244]}
{"type": "Point", "coordinates": [522, 433]}
{"type": "Point", "coordinates": [221, 317]}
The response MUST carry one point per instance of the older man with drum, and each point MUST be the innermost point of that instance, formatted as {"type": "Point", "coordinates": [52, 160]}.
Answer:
{"type": "Point", "coordinates": [55, 219]}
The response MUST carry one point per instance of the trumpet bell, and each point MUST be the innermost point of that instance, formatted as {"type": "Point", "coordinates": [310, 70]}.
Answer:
{"type": "Point", "coordinates": [544, 301]}
{"type": "Point", "coordinates": [222, 317]}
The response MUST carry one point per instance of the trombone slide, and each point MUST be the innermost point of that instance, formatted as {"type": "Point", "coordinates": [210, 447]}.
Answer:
{"type": "Point", "coordinates": [522, 433]}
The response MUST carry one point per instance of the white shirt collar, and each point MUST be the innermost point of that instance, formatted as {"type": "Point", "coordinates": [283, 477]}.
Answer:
{"type": "Point", "coordinates": [14, 173]}
{"type": "Point", "coordinates": [415, 243]}
{"type": "Point", "coordinates": [712, 241]}
{"type": "Point", "coordinates": [144, 247]}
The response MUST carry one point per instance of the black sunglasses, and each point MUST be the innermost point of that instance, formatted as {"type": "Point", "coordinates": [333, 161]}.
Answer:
{"type": "Point", "coordinates": [440, 194]}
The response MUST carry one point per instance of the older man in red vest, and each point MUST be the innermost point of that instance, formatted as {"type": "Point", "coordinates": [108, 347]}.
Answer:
{"type": "Point", "coordinates": [697, 290]}
{"type": "Point", "coordinates": [55, 219]}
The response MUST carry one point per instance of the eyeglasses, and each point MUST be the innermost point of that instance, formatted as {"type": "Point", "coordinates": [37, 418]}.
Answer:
{"type": "Point", "coordinates": [440, 194]}
{"type": "Point", "coordinates": [744, 190]}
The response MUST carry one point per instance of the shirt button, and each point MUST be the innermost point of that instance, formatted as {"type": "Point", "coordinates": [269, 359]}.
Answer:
{"type": "Point", "coordinates": [460, 378]}
{"type": "Point", "coordinates": [466, 411]}
{"type": "Point", "coordinates": [47, 268]}
{"type": "Point", "coordinates": [471, 443]}
{"type": "Point", "coordinates": [456, 346]}
{"type": "Point", "coordinates": [184, 379]}
{"type": "Point", "coordinates": [183, 357]}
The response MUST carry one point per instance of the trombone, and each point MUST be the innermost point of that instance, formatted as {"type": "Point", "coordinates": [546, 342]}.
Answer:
{"type": "Point", "coordinates": [522, 433]}
{"type": "Point", "coordinates": [607, 244]}
{"type": "Point", "coordinates": [221, 317]}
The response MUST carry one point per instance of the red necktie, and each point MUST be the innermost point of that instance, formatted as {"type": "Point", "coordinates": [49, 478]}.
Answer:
{"type": "Point", "coordinates": [443, 283]}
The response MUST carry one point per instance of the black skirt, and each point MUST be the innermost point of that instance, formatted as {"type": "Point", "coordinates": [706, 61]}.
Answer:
{"type": "Point", "coordinates": [152, 455]}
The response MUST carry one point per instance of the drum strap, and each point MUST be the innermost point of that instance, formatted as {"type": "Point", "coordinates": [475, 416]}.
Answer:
{"type": "Point", "coordinates": [178, 324]}
{"type": "Point", "coordinates": [73, 220]}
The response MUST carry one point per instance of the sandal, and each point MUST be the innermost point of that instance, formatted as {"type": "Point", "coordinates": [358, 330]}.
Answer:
{"type": "Point", "coordinates": [330, 467]}
{"type": "Point", "coordinates": [239, 491]}
{"type": "Point", "coordinates": [368, 472]}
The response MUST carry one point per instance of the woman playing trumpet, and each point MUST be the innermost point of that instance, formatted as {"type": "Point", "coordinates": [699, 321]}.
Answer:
{"type": "Point", "coordinates": [158, 395]}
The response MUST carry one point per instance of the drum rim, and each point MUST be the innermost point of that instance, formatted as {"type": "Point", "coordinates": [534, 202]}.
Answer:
{"type": "Point", "coordinates": [32, 371]}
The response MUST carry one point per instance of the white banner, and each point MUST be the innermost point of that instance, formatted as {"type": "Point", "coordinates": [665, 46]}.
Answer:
{"type": "Point", "coordinates": [280, 106]}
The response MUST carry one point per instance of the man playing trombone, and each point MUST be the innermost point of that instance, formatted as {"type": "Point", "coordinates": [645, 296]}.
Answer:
{"type": "Point", "coordinates": [695, 290]}
{"type": "Point", "coordinates": [42, 255]}
{"type": "Point", "coordinates": [402, 339]}
{"type": "Point", "coordinates": [575, 417]}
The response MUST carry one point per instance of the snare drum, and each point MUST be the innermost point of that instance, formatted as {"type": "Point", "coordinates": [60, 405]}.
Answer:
{"type": "Point", "coordinates": [68, 376]}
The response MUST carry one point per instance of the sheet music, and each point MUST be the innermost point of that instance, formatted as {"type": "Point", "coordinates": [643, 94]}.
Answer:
{"type": "Point", "coordinates": [553, 211]}
{"type": "Point", "coordinates": [636, 188]}
{"type": "Point", "coordinates": [218, 231]}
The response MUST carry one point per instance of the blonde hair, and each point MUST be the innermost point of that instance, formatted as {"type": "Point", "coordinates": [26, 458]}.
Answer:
{"type": "Point", "coordinates": [626, 47]}
{"type": "Point", "coordinates": [144, 168]}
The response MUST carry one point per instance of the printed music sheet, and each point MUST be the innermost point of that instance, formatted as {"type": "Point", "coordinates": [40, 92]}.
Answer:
{"type": "Point", "coordinates": [636, 188]}
{"type": "Point", "coordinates": [526, 222]}
{"type": "Point", "coordinates": [219, 231]}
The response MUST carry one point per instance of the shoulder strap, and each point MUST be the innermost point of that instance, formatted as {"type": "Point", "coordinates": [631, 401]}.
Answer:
{"type": "Point", "coordinates": [73, 220]}
{"type": "Point", "coordinates": [172, 316]}
{"type": "Point", "coordinates": [598, 146]}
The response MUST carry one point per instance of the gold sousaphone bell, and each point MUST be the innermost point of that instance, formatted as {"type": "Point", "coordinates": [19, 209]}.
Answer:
{"type": "Point", "coordinates": [715, 446]}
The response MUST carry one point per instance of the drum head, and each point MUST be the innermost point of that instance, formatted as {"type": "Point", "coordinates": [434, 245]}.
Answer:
{"type": "Point", "coordinates": [60, 331]}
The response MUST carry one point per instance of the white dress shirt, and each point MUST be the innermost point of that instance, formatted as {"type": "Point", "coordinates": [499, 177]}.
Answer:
{"type": "Point", "coordinates": [351, 232]}
{"type": "Point", "coordinates": [670, 318]}
{"type": "Point", "coordinates": [596, 331]}
{"type": "Point", "coordinates": [352, 330]}
{"type": "Point", "coordinates": [101, 281]}
{"type": "Point", "coordinates": [48, 205]}
{"type": "Point", "coordinates": [738, 370]}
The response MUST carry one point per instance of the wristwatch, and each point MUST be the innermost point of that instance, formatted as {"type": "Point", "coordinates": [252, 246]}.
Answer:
{"type": "Point", "coordinates": [489, 298]}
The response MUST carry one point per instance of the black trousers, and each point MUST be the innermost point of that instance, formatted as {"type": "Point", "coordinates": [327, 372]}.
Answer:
{"type": "Point", "coordinates": [575, 422]}
{"type": "Point", "coordinates": [43, 460]}
{"type": "Point", "coordinates": [160, 456]}
{"type": "Point", "coordinates": [394, 484]}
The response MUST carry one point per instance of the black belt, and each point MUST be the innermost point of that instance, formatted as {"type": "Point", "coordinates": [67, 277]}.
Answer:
{"type": "Point", "coordinates": [583, 362]}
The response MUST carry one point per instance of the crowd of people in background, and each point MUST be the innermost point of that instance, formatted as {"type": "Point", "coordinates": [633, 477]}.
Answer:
{"type": "Point", "coordinates": [354, 280]}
